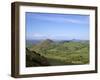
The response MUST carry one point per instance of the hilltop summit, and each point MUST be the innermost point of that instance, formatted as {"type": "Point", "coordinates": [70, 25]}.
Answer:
{"type": "Point", "coordinates": [47, 41]}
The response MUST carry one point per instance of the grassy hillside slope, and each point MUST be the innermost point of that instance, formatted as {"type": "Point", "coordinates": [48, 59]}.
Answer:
{"type": "Point", "coordinates": [62, 53]}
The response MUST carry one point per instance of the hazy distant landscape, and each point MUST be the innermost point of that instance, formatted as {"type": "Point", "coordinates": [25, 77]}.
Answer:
{"type": "Point", "coordinates": [52, 53]}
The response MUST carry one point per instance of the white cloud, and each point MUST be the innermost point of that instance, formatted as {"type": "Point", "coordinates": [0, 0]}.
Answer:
{"type": "Point", "coordinates": [75, 21]}
{"type": "Point", "coordinates": [37, 35]}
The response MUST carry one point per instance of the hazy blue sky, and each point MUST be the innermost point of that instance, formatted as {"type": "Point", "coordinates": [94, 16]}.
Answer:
{"type": "Point", "coordinates": [57, 26]}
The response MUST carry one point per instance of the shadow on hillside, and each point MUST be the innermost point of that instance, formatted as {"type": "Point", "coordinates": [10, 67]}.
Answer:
{"type": "Point", "coordinates": [35, 59]}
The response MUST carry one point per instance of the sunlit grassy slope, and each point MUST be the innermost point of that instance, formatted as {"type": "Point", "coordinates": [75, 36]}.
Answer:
{"type": "Point", "coordinates": [63, 52]}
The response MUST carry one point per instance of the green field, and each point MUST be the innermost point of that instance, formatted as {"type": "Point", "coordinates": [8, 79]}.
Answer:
{"type": "Point", "coordinates": [52, 53]}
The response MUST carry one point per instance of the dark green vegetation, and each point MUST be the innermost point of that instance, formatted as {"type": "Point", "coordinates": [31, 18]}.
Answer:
{"type": "Point", "coordinates": [35, 59]}
{"type": "Point", "coordinates": [52, 53]}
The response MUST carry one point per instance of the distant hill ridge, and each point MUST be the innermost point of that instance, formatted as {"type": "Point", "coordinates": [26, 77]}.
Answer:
{"type": "Point", "coordinates": [47, 41]}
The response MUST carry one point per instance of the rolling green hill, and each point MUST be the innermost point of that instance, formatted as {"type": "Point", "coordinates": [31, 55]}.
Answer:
{"type": "Point", "coordinates": [62, 53]}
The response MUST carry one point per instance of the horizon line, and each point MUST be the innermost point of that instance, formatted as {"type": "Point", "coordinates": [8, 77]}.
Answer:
{"type": "Point", "coordinates": [57, 39]}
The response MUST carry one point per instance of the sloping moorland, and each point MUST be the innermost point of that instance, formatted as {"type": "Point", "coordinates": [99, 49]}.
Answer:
{"type": "Point", "coordinates": [51, 53]}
